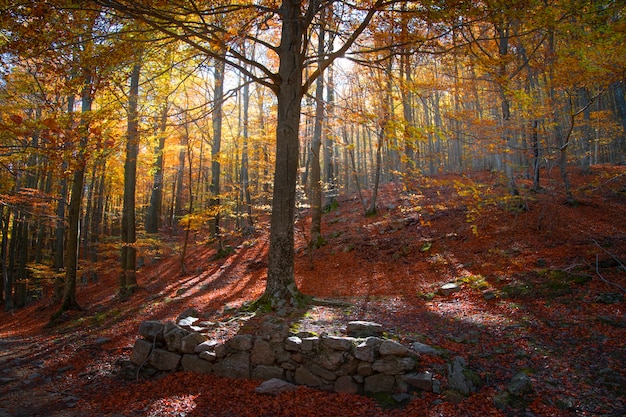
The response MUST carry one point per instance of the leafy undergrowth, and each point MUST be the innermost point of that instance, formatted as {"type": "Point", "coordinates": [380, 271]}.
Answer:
{"type": "Point", "coordinates": [541, 283]}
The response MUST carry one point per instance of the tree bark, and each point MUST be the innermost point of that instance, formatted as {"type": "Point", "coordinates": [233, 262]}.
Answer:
{"type": "Point", "coordinates": [153, 215]}
{"type": "Point", "coordinates": [128, 277]}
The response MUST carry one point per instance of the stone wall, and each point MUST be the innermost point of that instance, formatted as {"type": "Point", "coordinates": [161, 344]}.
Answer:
{"type": "Point", "coordinates": [360, 362]}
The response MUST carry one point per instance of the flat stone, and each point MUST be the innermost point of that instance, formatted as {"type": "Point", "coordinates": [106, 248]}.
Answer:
{"type": "Point", "coordinates": [174, 339]}
{"type": "Point", "coordinates": [392, 365]}
{"type": "Point", "coordinates": [425, 349]}
{"type": "Point", "coordinates": [389, 347]}
{"type": "Point", "coordinates": [293, 344]}
{"type": "Point", "coordinates": [274, 386]}
{"type": "Point", "coordinates": [309, 344]}
{"type": "Point", "coordinates": [207, 345]}
{"type": "Point", "coordinates": [338, 342]}
{"type": "Point", "coordinates": [322, 372]}
{"type": "Point", "coordinates": [360, 328]}
{"type": "Point", "coordinates": [207, 356]}
{"type": "Point", "coordinates": [262, 353]}
{"type": "Point", "coordinates": [449, 288]}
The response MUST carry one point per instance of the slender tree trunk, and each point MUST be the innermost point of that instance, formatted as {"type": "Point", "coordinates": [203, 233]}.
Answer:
{"type": "Point", "coordinates": [7, 282]}
{"type": "Point", "coordinates": [216, 148]}
{"type": "Point", "coordinates": [69, 301]}
{"type": "Point", "coordinates": [153, 215]}
{"type": "Point", "coordinates": [315, 196]}
{"type": "Point", "coordinates": [128, 277]}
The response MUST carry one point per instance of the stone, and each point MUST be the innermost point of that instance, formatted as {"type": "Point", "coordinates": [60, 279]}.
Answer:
{"type": "Point", "coordinates": [366, 351]}
{"type": "Point", "coordinates": [305, 377]}
{"type": "Point", "coordinates": [187, 322]}
{"type": "Point", "coordinates": [520, 385]}
{"type": "Point", "coordinates": [207, 345]}
{"type": "Point", "coordinates": [389, 347]}
{"type": "Point", "coordinates": [310, 344]}
{"type": "Point", "coordinates": [152, 330]}
{"type": "Point", "coordinates": [242, 342]}
{"type": "Point", "coordinates": [274, 386]}
{"type": "Point", "coordinates": [457, 377]}
{"type": "Point", "coordinates": [268, 372]}
{"type": "Point", "coordinates": [236, 366]}
{"type": "Point", "coordinates": [262, 353]}
{"type": "Point", "coordinates": [188, 343]}
{"type": "Point", "coordinates": [193, 363]}
{"type": "Point", "coordinates": [364, 329]}
{"type": "Point", "coordinates": [207, 356]}
{"type": "Point", "coordinates": [140, 352]}
{"type": "Point", "coordinates": [424, 349]}
{"type": "Point", "coordinates": [393, 365]}
{"type": "Point", "coordinates": [346, 385]}
{"type": "Point", "coordinates": [322, 373]}
{"type": "Point", "coordinates": [164, 360]}
{"type": "Point", "coordinates": [365, 369]}
{"type": "Point", "coordinates": [174, 339]}
{"type": "Point", "coordinates": [331, 360]}
{"type": "Point", "coordinates": [293, 344]}
{"type": "Point", "coordinates": [220, 350]}
{"type": "Point", "coordinates": [422, 381]}
{"type": "Point", "coordinates": [449, 288]}
{"type": "Point", "coordinates": [188, 312]}
{"type": "Point", "coordinates": [338, 342]}
{"type": "Point", "coordinates": [379, 383]}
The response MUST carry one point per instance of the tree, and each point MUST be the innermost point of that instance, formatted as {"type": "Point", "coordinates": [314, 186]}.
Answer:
{"type": "Point", "coordinates": [213, 25]}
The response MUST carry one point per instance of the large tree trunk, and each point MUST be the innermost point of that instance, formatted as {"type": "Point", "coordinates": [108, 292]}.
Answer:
{"type": "Point", "coordinates": [216, 148]}
{"type": "Point", "coordinates": [128, 278]}
{"type": "Point", "coordinates": [281, 285]}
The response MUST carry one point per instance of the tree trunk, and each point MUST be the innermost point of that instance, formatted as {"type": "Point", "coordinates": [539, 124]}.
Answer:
{"type": "Point", "coordinates": [153, 215]}
{"type": "Point", "coordinates": [216, 148]}
{"type": "Point", "coordinates": [281, 285]}
{"type": "Point", "coordinates": [315, 196]}
{"type": "Point", "coordinates": [7, 282]}
{"type": "Point", "coordinates": [128, 278]}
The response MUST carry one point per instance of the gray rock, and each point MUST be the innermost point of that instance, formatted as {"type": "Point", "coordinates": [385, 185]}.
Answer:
{"type": "Point", "coordinates": [174, 339]}
{"type": "Point", "coordinates": [379, 383]}
{"type": "Point", "coordinates": [140, 352]}
{"type": "Point", "coordinates": [242, 342]}
{"type": "Point", "coordinates": [331, 360]}
{"type": "Point", "coordinates": [346, 384]}
{"type": "Point", "coordinates": [448, 289]}
{"type": "Point", "coordinates": [364, 329]}
{"type": "Point", "coordinates": [389, 347]}
{"type": "Point", "coordinates": [293, 344]}
{"type": "Point", "coordinates": [220, 350]}
{"type": "Point", "coordinates": [520, 385]}
{"type": "Point", "coordinates": [310, 344]}
{"type": "Point", "coordinates": [268, 372]}
{"type": "Point", "coordinates": [422, 381]}
{"type": "Point", "coordinates": [151, 330]}
{"type": "Point", "coordinates": [188, 343]}
{"type": "Point", "coordinates": [274, 386]}
{"type": "Point", "coordinates": [365, 369]}
{"type": "Point", "coordinates": [193, 363]}
{"type": "Point", "coordinates": [163, 360]}
{"type": "Point", "coordinates": [424, 349]}
{"type": "Point", "coordinates": [322, 373]}
{"type": "Point", "coordinates": [393, 365]}
{"type": "Point", "coordinates": [305, 377]}
{"type": "Point", "coordinates": [338, 342]}
{"type": "Point", "coordinates": [187, 322]}
{"type": "Point", "coordinates": [457, 377]}
{"type": "Point", "coordinates": [366, 351]}
{"type": "Point", "coordinates": [207, 356]}
{"type": "Point", "coordinates": [262, 353]}
{"type": "Point", "coordinates": [188, 312]}
{"type": "Point", "coordinates": [207, 345]}
{"type": "Point", "coordinates": [236, 366]}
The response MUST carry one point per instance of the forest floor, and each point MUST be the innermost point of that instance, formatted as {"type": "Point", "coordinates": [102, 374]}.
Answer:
{"type": "Point", "coordinates": [541, 281]}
